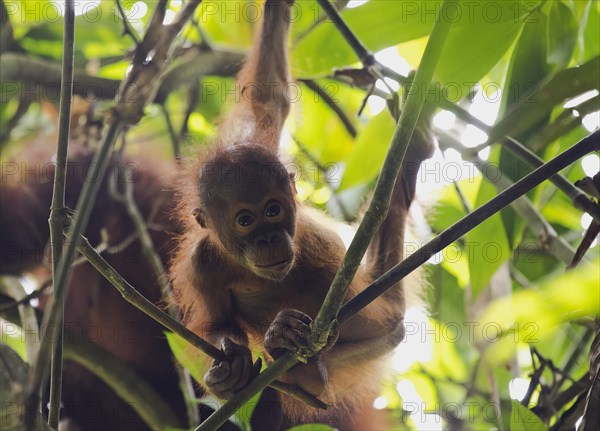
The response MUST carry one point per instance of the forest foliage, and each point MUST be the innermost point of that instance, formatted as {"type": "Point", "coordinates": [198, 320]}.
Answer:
{"type": "Point", "coordinates": [505, 340]}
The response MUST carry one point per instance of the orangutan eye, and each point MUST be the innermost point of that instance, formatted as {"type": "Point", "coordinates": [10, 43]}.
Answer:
{"type": "Point", "coordinates": [273, 210]}
{"type": "Point", "coordinates": [245, 220]}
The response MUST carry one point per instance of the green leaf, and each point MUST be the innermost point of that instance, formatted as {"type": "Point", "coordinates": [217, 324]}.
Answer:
{"type": "Point", "coordinates": [528, 64]}
{"type": "Point", "coordinates": [535, 313]}
{"type": "Point", "coordinates": [366, 159]}
{"type": "Point", "coordinates": [487, 44]}
{"type": "Point", "coordinates": [562, 31]}
{"type": "Point", "coordinates": [243, 415]}
{"type": "Point", "coordinates": [188, 356]}
{"type": "Point", "coordinates": [327, 140]}
{"type": "Point", "coordinates": [487, 245]}
{"type": "Point", "coordinates": [589, 32]}
{"type": "Point", "coordinates": [539, 102]}
{"type": "Point", "coordinates": [449, 299]}
{"type": "Point", "coordinates": [230, 22]}
{"type": "Point", "coordinates": [397, 22]}
{"type": "Point", "coordinates": [12, 335]}
{"type": "Point", "coordinates": [523, 419]}
{"type": "Point", "coordinates": [325, 48]}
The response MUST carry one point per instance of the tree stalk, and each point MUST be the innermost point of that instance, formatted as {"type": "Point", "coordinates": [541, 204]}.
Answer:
{"type": "Point", "coordinates": [58, 207]}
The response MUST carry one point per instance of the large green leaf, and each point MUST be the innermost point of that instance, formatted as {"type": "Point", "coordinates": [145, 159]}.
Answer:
{"type": "Point", "coordinates": [589, 31]}
{"type": "Point", "coordinates": [570, 296]}
{"type": "Point", "coordinates": [541, 99]}
{"type": "Point", "coordinates": [562, 34]}
{"type": "Point", "coordinates": [324, 48]}
{"type": "Point", "coordinates": [528, 67]}
{"type": "Point", "coordinates": [487, 245]}
{"type": "Point", "coordinates": [326, 139]}
{"type": "Point", "coordinates": [523, 419]}
{"type": "Point", "coordinates": [528, 64]}
{"type": "Point", "coordinates": [372, 144]}
{"type": "Point", "coordinates": [448, 298]}
{"type": "Point", "coordinates": [230, 22]}
{"type": "Point", "coordinates": [472, 50]}
{"type": "Point", "coordinates": [191, 358]}
{"type": "Point", "coordinates": [397, 21]}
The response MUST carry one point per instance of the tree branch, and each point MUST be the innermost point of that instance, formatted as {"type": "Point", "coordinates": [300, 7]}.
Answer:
{"type": "Point", "coordinates": [58, 208]}
{"type": "Point", "coordinates": [364, 55]}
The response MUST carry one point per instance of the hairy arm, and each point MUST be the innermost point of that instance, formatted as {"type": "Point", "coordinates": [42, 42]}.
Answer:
{"type": "Point", "coordinates": [264, 102]}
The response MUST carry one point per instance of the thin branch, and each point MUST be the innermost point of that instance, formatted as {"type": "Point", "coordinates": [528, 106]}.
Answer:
{"type": "Point", "coordinates": [142, 82]}
{"type": "Point", "coordinates": [139, 224]}
{"type": "Point", "coordinates": [579, 348]}
{"type": "Point", "coordinates": [314, 86]}
{"type": "Point", "coordinates": [172, 133]}
{"type": "Point", "coordinates": [322, 169]}
{"type": "Point", "coordinates": [127, 30]}
{"type": "Point", "coordinates": [58, 208]}
{"type": "Point", "coordinates": [193, 96]}
{"type": "Point", "coordinates": [364, 55]}
{"type": "Point", "coordinates": [379, 205]}
{"type": "Point", "coordinates": [27, 315]}
{"type": "Point", "coordinates": [25, 299]}
{"type": "Point", "coordinates": [374, 216]}
{"type": "Point", "coordinates": [463, 199]}
{"type": "Point", "coordinates": [105, 247]}
{"type": "Point", "coordinates": [51, 321]}
{"type": "Point", "coordinates": [580, 200]}
{"type": "Point", "coordinates": [152, 257]}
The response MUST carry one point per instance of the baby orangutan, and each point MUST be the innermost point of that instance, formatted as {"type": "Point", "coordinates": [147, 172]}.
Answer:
{"type": "Point", "coordinates": [254, 264]}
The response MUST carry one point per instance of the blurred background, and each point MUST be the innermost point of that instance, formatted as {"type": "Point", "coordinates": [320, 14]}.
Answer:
{"type": "Point", "coordinates": [507, 329]}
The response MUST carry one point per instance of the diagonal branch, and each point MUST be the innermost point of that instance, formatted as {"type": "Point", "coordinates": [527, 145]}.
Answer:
{"type": "Point", "coordinates": [364, 55]}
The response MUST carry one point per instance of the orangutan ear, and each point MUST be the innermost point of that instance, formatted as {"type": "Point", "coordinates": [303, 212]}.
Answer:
{"type": "Point", "coordinates": [293, 184]}
{"type": "Point", "coordinates": [200, 217]}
